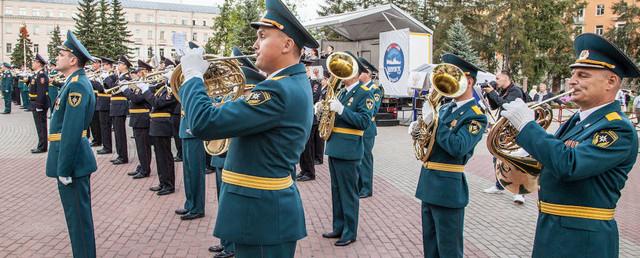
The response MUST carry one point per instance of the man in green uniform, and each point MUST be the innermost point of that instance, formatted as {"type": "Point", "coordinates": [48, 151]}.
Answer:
{"type": "Point", "coordinates": [586, 163]}
{"type": "Point", "coordinates": [353, 108]}
{"type": "Point", "coordinates": [23, 79]}
{"type": "Point", "coordinates": [260, 209]}
{"type": "Point", "coordinates": [442, 186]}
{"type": "Point", "coordinates": [365, 170]}
{"type": "Point", "coordinates": [7, 85]}
{"type": "Point", "coordinates": [54, 86]}
{"type": "Point", "coordinates": [70, 158]}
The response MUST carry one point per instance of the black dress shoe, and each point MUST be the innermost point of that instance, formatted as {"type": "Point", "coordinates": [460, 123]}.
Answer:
{"type": "Point", "coordinates": [182, 211]}
{"type": "Point", "coordinates": [103, 151]}
{"type": "Point", "coordinates": [224, 254]}
{"type": "Point", "coordinates": [120, 162]}
{"type": "Point", "coordinates": [364, 196]}
{"type": "Point", "coordinates": [139, 175]}
{"type": "Point", "coordinates": [344, 242]}
{"type": "Point", "coordinates": [133, 173]}
{"type": "Point", "coordinates": [38, 151]}
{"type": "Point", "coordinates": [177, 159]}
{"type": "Point", "coordinates": [191, 216]}
{"type": "Point", "coordinates": [165, 191]}
{"type": "Point", "coordinates": [216, 248]}
{"type": "Point", "coordinates": [155, 188]}
{"type": "Point", "coordinates": [209, 171]}
{"type": "Point", "coordinates": [317, 162]}
{"type": "Point", "coordinates": [305, 178]}
{"type": "Point", "coordinates": [332, 235]}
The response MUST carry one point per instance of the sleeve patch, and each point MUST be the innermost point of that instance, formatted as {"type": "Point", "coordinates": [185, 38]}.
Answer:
{"type": "Point", "coordinates": [75, 99]}
{"type": "Point", "coordinates": [604, 139]}
{"type": "Point", "coordinates": [475, 127]}
{"type": "Point", "coordinates": [370, 104]}
{"type": "Point", "coordinates": [613, 116]}
{"type": "Point", "coordinates": [476, 109]}
{"type": "Point", "coordinates": [258, 97]}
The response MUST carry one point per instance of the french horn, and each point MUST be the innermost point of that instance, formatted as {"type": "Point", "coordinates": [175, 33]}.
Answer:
{"type": "Point", "coordinates": [340, 66]}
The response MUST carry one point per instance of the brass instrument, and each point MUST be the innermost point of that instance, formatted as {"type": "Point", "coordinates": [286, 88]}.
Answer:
{"type": "Point", "coordinates": [341, 66]}
{"type": "Point", "coordinates": [152, 78]}
{"type": "Point", "coordinates": [447, 80]}
{"type": "Point", "coordinates": [57, 78]}
{"type": "Point", "coordinates": [222, 77]}
{"type": "Point", "coordinates": [516, 170]}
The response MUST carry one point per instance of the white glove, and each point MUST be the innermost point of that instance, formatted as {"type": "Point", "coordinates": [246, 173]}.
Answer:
{"type": "Point", "coordinates": [122, 89]}
{"type": "Point", "coordinates": [518, 113]}
{"type": "Point", "coordinates": [193, 63]}
{"type": "Point", "coordinates": [427, 112]}
{"type": "Point", "coordinates": [39, 109]}
{"type": "Point", "coordinates": [317, 108]}
{"type": "Point", "coordinates": [104, 75]}
{"type": "Point", "coordinates": [412, 127]}
{"type": "Point", "coordinates": [65, 180]}
{"type": "Point", "coordinates": [144, 87]}
{"type": "Point", "coordinates": [336, 106]}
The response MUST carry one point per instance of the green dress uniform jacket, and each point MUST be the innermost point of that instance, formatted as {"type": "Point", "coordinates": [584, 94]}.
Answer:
{"type": "Point", "coordinates": [580, 186]}
{"type": "Point", "coordinates": [269, 130]}
{"type": "Point", "coordinates": [365, 170]}
{"type": "Point", "coordinates": [346, 139]}
{"type": "Point", "coordinates": [372, 130]}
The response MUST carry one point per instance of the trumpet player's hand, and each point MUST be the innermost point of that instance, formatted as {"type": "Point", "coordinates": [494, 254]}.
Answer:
{"type": "Point", "coordinates": [65, 180]}
{"type": "Point", "coordinates": [413, 129]}
{"type": "Point", "coordinates": [193, 63]}
{"type": "Point", "coordinates": [427, 112]}
{"type": "Point", "coordinates": [518, 113]}
{"type": "Point", "coordinates": [336, 106]}
{"type": "Point", "coordinates": [143, 86]}
{"type": "Point", "coordinates": [317, 108]}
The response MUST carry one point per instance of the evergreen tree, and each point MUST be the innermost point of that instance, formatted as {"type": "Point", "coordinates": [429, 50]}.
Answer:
{"type": "Point", "coordinates": [103, 31]}
{"type": "Point", "coordinates": [459, 42]}
{"type": "Point", "coordinates": [243, 34]}
{"type": "Point", "coordinates": [86, 21]}
{"type": "Point", "coordinates": [54, 43]}
{"type": "Point", "coordinates": [337, 6]}
{"type": "Point", "coordinates": [23, 49]}
{"type": "Point", "coordinates": [119, 34]}
{"type": "Point", "coordinates": [627, 35]}
{"type": "Point", "coordinates": [222, 26]}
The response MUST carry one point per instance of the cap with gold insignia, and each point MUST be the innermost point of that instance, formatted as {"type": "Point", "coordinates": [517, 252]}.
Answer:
{"type": "Point", "coordinates": [143, 65]}
{"type": "Point", "coordinates": [367, 64]}
{"type": "Point", "coordinates": [243, 61]}
{"type": "Point", "coordinates": [252, 76]}
{"type": "Point", "coordinates": [73, 45]}
{"type": "Point", "coordinates": [107, 60]}
{"type": "Point", "coordinates": [123, 60]}
{"type": "Point", "coordinates": [280, 17]}
{"type": "Point", "coordinates": [594, 51]}
{"type": "Point", "coordinates": [467, 67]}
{"type": "Point", "coordinates": [361, 67]}
{"type": "Point", "coordinates": [41, 59]}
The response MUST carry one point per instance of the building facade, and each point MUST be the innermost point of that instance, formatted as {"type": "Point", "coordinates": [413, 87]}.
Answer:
{"type": "Point", "coordinates": [153, 25]}
{"type": "Point", "coordinates": [597, 16]}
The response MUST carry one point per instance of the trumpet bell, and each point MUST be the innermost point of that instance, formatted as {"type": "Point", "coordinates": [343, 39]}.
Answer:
{"type": "Point", "coordinates": [448, 80]}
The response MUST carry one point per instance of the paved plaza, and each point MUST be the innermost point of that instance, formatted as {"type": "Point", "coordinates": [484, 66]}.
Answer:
{"type": "Point", "coordinates": [131, 221]}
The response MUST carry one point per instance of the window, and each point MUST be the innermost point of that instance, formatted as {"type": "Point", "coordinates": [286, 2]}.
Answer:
{"type": "Point", "coordinates": [184, 21]}
{"type": "Point", "coordinates": [580, 13]}
{"type": "Point", "coordinates": [620, 25]}
{"type": "Point", "coordinates": [8, 11]}
{"type": "Point", "coordinates": [149, 34]}
{"type": "Point", "coordinates": [578, 30]}
{"type": "Point", "coordinates": [204, 23]}
{"type": "Point", "coordinates": [193, 22]}
{"type": "Point", "coordinates": [150, 18]}
{"type": "Point", "coordinates": [600, 10]}
{"type": "Point", "coordinates": [49, 13]}
{"type": "Point", "coordinates": [194, 37]}
{"type": "Point", "coordinates": [162, 52]}
{"type": "Point", "coordinates": [36, 48]}
{"type": "Point", "coordinates": [22, 11]}
{"type": "Point", "coordinates": [9, 49]}
{"type": "Point", "coordinates": [599, 29]}
{"type": "Point", "coordinates": [35, 12]}
{"type": "Point", "coordinates": [205, 37]}
{"type": "Point", "coordinates": [162, 20]}
{"type": "Point", "coordinates": [36, 30]}
{"type": "Point", "coordinates": [162, 35]}
{"type": "Point", "coordinates": [137, 51]}
{"type": "Point", "coordinates": [8, 28]}
{"type": "Point", "coordinates": [149, 52]}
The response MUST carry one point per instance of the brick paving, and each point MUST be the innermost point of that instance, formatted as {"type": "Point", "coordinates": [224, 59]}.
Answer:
{"type": "Point", "coordinates": [131, 221]}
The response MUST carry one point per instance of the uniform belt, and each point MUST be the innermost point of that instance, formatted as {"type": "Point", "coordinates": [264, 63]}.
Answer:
{"type": "Point", "coordinates": [348, 131]}
{"type": "Point", "coordinates": [444, 167]}
{"type": "Point", "coordinates": [33, 95]}
{"type": "Point", "coordinates": [256, 182]}
{"type": "Point", "coordinates": [56, 137]}
{"type": "Point", "coordinates": [105, 95]}
{"type": "Point", "coordinates": [576, 211]}
{"type": "Point", "coordinates": [157, 115]}
{"type": "Point", "coordinates": [138, 110]}
{"type": "Point", "coordinates": [118, 98]}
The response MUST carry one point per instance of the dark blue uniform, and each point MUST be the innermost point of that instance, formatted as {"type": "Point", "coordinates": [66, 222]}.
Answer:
{"type": "Point", "coordinates": [139, 122]}
{"type": "Point", "coordinates": [39, 88]}
{"type": "Point", "coordinates": [161, 132]}
{"type": "Point", "coordinates": [118, 111]}
{"type": "Point", "coordinates": [7, 86]}
{"type": "Point", "coordinates": [104, 107]}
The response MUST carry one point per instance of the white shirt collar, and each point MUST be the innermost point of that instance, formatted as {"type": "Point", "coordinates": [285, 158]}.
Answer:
{"type": "Point", "coordinates": [350, 87]}
{"type": "Point", "coordinates": [277, 72]}
{"type": "Point", "coordinates": [585, 113]}
{"type": "Point", "coordinates": [461, 103]}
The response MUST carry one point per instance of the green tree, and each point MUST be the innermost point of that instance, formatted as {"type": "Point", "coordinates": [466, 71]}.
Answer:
{"type": "Point", "coordinates": [119, 33]}
{"type": "Point", "coordinates": [222, 26]}
{"type": "Point", "coordinates": [627, 35]}
{"type": "Point", "coordinates": [243, 34]}
{"type": "Point", "coordinates": [85, 24]}
{"type": "Point", "coordinates": [54, 43]}
{"type": "Point", "coordinates": [103, 30]}
{"type": "Point", "coordinates": [23, 50]}
{"type": "Point", "coordinates": [459, 42]}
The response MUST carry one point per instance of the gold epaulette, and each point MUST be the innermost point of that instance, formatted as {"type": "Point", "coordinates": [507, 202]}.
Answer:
{"type": "Point", "coordinates": [477, 110]}
{"type": "Point", "coordinates": [74, 79]}
{"type": "Point", "coordinates": [275, 78]}
{"type": "Point", "coordinates": [613, 116]}
{"type": "Point", "coordinates": [364, 88]}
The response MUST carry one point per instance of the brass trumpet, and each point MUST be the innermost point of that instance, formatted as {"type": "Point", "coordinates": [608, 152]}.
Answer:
{"type": "Point", "coordinates": [517, 171]}
{"type": "Point", "coordinates": [152, 78]}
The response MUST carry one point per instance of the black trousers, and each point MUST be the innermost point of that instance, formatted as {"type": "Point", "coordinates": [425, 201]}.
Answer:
{"type": "Point", "coordinates": [96, 134]}
{"type": "Point", "coordinates": [318, 144]}
{"type": "Point", "coordinates": [164, 160]}
{"type": "Point", "coordinates": [307, 167]}
{"type": "Point", "coordinates": [120, 131]}
{"type": "Point", "coordinates": [40, 119]}
{"type": "Point", "coordinates": [105, 130]}
{"type": "Point", "coordinates": [175, 119]}
{"type": "Point", "coordinates": [143, 148]}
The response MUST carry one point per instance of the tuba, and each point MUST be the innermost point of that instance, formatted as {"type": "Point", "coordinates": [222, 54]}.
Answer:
{"type": "Point", "coordinates": [223, 78]}
{"type": "Point", "coordinates": [516, 170]}
{"type": "Point", "coordinates": [447, 80]}
{"type": "Point", "coordinates": [341, 66]}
